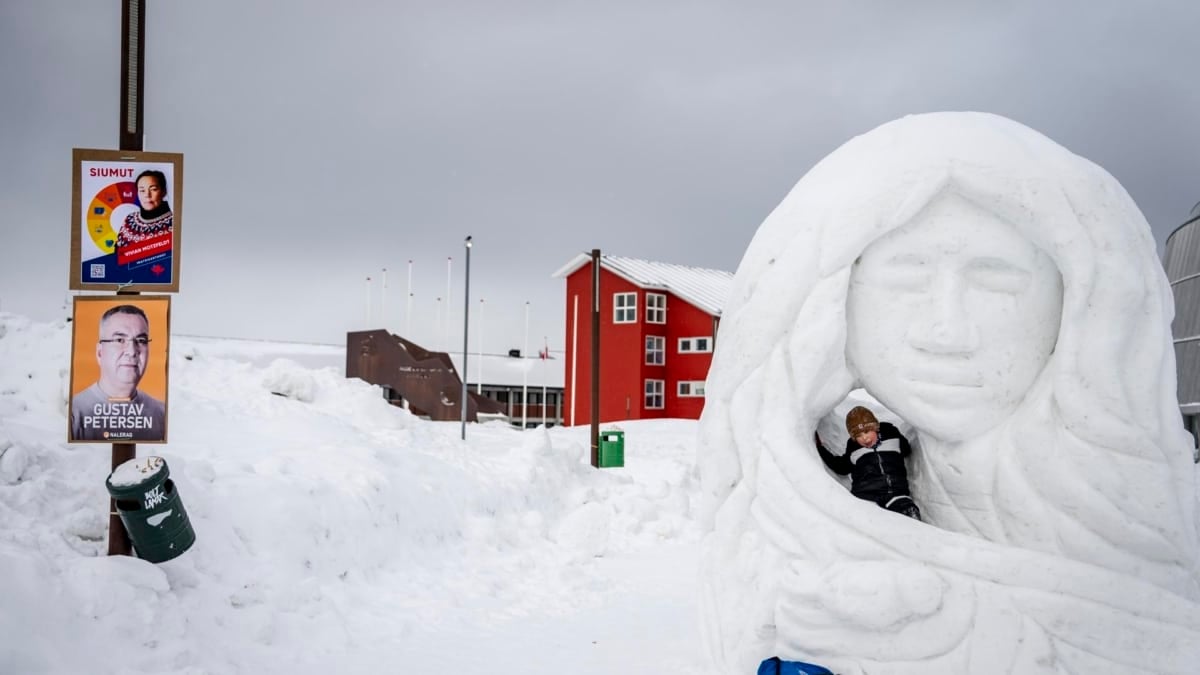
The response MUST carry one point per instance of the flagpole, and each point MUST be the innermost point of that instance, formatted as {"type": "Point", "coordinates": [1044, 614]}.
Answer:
{"type": "Point", "coordinates": [545, 361]}
{"type": "Point", "coordinates": [525, 374]}
{"type": "Point", "coordinates": [383, 300]}
{"type": "Point", "coordinates": [479, 352]}
{"type": "Point", "coordinates": [408, 309]}
{"type": "Point", "coordinates": [446, 318]}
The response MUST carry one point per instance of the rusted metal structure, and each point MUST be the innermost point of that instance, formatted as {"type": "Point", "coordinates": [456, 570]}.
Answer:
{"type": "Point", "coordinates": [427, 381]}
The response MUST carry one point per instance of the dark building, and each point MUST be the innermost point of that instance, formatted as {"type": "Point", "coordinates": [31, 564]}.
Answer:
{"type": "Point", "coordinates": [520, 389]}
{"type": "Point", "coordinates": [1182, 262]}
{"type": "Point", "coordinates": [426, 382]}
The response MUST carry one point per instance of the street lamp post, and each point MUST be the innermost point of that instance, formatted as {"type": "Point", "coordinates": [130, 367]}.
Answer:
{"type": "Point", "coordinates": [466, 315]}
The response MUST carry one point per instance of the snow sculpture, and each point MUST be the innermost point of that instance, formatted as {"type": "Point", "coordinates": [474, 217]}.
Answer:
{"type": "Point", "coordinates": [1003, 296]}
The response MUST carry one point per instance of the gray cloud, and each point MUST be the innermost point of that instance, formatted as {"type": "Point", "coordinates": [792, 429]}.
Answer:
{"type": "Point", "coordinates": [325, 143]}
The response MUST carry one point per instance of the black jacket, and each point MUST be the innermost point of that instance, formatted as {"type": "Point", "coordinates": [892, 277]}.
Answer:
{"type": "Point", "coordinates": [875, 473]}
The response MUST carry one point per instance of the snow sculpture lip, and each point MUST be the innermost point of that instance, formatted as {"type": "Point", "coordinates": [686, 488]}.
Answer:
{"type": "Point", "coordinates": [945, 395]}
{"type": "Point", "coordinates": [943, 384]}
{"type": "Point", "coordinates": [951, 376]}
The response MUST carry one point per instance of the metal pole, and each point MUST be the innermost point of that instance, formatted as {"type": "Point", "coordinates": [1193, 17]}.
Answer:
{"type": "Point", "coordinates": [596, 357]}
{"type": "Point", "coordinates": [368, 302]}
{"type": "Point", "coordinates": [525, 373]}
{"type": "Point", "coordinates": [133, 68]}
{"type": "Point", "coordinates": [383, 301]}
{"type": "Point", "coordinates": [479, 352]}
{"type": "Point", "coordinates": [132, 129]}
{"type": "Point", "coordinates": [438, 321]}
{"type": "Point", "coordinates": [545, 362]}
{"type": "Point", "coordinates": [446, 318]}
{"type": "Point", "coordinates": [466, 315]}
{"type": "Point", "coordinates": [408, 309]}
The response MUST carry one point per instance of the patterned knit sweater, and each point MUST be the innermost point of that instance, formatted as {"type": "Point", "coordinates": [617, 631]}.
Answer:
{"type": "Point", "coordinates": [141, 225]}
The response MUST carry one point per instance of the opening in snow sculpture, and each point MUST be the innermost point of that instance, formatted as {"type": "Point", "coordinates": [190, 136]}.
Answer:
{"type": "Point", "coordinates": [1003, 296]}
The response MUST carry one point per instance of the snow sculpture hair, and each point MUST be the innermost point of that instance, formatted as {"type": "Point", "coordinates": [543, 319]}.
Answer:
{"type": "Point", "coordinates": [1092, 483]}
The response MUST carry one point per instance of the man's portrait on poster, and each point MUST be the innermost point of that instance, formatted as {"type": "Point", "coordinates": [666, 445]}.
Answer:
{"type": "Point", "coordinates": [113, 408]}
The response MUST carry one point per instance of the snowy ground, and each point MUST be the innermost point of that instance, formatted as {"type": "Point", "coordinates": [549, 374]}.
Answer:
{"type": "Point", "coordinates": [337, 534]}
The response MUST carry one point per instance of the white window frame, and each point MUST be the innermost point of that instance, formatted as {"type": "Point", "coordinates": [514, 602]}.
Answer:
{"type": "Point", "coordinates": [656, 346]}
{"type": "Point", "coordinates": [656, 308]}
{"type": "Point", "coordinates": [688, 345]}
{"type": "Point", "coordinates": [690, 389]}
{"type": "Point", "coordinates": [624, 307]}
{"type": "Point", "coordinates": [654, 394]}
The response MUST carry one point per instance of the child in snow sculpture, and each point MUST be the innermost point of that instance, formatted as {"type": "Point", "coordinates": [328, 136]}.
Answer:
{"type": "Point", "coordinates": [1004, 297]}
{"type": "Point", "coordinates": [874, 458]}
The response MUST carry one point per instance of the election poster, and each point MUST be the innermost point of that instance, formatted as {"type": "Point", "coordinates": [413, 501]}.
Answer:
{"type": "Point", "coordinates": [126, 220]}
{"type": "Point", "coordinates": [119, 350]}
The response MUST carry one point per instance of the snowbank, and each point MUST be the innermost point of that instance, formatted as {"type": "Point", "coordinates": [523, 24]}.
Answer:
{"type": "Point", "coordinates": [337, 533]}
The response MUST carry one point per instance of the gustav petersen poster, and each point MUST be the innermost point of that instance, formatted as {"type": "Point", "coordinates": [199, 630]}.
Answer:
{"type": "Point", "coordinates": [119, 354]}
{"type": "Point", "coordinates": [126, 220]}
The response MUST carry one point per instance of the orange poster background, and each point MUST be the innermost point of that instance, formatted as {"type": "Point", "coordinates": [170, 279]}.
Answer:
{"type": "Point", "coordinates": [86, 331]}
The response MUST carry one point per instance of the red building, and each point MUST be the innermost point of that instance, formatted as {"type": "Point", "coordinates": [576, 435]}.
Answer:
{"type": "Point", "coordinates": [658, 323]}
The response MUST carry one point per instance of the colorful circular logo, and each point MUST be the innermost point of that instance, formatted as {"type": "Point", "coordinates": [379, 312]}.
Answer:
{"type": "Point", "coordinates": [117, 197]}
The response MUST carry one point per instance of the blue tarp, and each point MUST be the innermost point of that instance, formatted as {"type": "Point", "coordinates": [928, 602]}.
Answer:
{"type": "Point", "coordinates": [774, 666]}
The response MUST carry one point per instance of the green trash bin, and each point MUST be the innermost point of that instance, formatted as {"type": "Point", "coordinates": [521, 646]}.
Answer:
{"type": "Point", "coordinates": [612, 448]}
{"type": "Point", "coordinates": [150, 508]}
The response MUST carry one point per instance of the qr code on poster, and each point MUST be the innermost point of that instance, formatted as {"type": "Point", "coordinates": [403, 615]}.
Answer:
{"type": "Point", "coordinates": [97, 270]}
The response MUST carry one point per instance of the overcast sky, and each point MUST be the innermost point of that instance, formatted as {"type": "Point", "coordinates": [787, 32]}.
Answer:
{"type": "Point", "coordinates": [326, 141]}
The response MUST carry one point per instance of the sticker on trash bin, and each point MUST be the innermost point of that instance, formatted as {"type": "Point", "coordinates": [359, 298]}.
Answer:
{"type": "Point", "coordinates": [154, 497]}
{"type": "Point", "coordinates": [136, 470]}
{"type": "Point", "coordinates": [157, 519]}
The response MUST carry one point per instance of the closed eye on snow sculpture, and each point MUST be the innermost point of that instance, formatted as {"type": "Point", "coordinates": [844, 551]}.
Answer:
{"type": "Point", "coordinates": [1004, 298]}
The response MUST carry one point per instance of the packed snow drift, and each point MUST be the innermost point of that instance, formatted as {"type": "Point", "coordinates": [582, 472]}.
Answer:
{"type": "Point", "coordinates": [336, 533]}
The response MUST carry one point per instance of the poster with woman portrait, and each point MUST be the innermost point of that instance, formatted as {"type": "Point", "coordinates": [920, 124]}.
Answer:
{"type": "Point", "coordinates": [126, 220]}
{"type": "Point", "coordinates": [119, 353]}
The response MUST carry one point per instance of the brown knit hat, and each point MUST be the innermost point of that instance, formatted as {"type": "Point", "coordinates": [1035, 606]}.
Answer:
{"type": "Point", "coordinates": [859, 419]}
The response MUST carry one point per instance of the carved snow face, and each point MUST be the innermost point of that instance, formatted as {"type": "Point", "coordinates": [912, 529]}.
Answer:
{"type": "Point", "coordinates": [951, 318]}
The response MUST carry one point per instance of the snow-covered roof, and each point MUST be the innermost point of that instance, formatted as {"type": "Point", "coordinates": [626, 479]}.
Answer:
{"type": "Point", "coordinates": [704, 288]}
{"type": "Point", "coordinates": [508, 371]}
{"type": "Point", "coordinates": [495, 369]}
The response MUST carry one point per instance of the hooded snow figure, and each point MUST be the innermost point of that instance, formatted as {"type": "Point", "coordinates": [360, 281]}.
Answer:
{"type": "Point", "coordinates": [1003, 296]}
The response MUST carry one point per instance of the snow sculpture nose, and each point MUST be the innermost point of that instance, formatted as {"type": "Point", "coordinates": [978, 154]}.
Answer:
{"type": "Point", "coordinates": [945, 326]}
